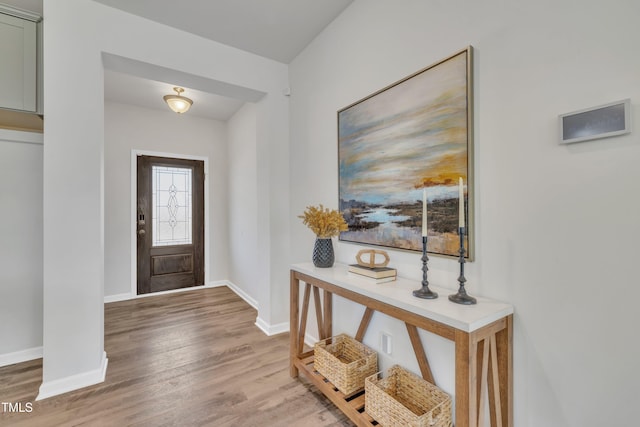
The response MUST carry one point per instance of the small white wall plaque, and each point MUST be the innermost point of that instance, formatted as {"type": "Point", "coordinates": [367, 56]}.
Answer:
{"type": "Point", "coordinates": [596, 122]}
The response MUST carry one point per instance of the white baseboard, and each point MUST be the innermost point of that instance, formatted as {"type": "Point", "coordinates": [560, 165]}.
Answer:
{"type": "Point", "coordinates": [117, 297]}
{"type": "Point", "coordinates": [20, 356]}
{"type": "Point", "coordinates": [242, 294]}
{"type": "Point", "coordinates": [269, 330]}
{"type": "Point", "coordinates": [74, 382]}
{"type": "Point", "coordinates": [128, 296]}
{"type": "Point", "coordinates": [217, 284]}
{"type": "Point", "coordinates": [310, 340]}
{"type": "Point", "coordinates": [260, 323]}
{"type": "Point", "coordinates": [265, 327]}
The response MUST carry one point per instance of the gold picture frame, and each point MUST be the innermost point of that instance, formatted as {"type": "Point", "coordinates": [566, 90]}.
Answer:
{"type": "Point", "coordinates": [414, 133]}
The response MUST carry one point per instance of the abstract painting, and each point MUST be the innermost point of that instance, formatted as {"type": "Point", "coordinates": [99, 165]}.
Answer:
{"type": "Point", "coordinates": [412, 134]}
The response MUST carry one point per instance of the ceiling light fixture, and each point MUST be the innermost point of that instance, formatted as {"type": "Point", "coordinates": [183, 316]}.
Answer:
{"type": "Point", "coordinates": [178, 103]}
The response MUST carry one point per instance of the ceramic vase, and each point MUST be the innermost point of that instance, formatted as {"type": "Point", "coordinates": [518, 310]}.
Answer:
{"type": "Point", "coordinates": [323, 256]}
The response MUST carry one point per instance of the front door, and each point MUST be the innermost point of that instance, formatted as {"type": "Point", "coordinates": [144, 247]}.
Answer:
{"type": "Point", "coordinates": [170, 223]}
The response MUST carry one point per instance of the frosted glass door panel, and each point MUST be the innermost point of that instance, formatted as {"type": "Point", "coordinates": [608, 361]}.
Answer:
{"type": "Point", "coordinates": [171, 200]}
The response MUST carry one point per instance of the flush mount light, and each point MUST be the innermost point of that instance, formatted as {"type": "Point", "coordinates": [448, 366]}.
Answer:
{"type": "Point", "coordinates": [178, 103]}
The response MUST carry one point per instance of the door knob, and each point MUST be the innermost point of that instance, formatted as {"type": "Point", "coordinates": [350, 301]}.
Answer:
{"type": "Point", "coordinates": [141, 232]}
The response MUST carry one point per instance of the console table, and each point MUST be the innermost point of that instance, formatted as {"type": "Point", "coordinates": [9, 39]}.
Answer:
{"type": "Point", "coordinates": [482, 333]}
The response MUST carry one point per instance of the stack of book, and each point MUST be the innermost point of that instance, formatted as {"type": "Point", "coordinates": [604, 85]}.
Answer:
{"type": "Point", "coordinates": [375, 274]}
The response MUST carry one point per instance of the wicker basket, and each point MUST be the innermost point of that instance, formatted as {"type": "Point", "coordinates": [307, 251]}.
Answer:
{"type": "Point", "coordinates": [402, 398]}
{"type": "Point", "coordinates": [345, 362]}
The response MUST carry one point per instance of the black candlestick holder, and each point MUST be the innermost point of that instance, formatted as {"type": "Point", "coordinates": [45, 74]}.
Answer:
{"type": "Point", "coordinates": [461, 297]}
{"type": "Point", "coordinates": [424, 291]}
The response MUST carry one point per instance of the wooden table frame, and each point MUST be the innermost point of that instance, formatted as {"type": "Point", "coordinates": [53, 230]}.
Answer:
{"type": "Point", "coordinates": [483, 358]}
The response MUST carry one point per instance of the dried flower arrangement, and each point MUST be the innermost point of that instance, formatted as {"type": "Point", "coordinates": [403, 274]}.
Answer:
{"type": "Point", "coordinates": [324, 222]}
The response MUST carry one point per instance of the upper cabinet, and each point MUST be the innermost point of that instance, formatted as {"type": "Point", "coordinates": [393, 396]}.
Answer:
{"type": "Point", "coordinates": [20, 79]}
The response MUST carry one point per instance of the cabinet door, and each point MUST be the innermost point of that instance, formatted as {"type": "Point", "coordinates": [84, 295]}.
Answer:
{"type": "Point", "coordinates": [18, 64]}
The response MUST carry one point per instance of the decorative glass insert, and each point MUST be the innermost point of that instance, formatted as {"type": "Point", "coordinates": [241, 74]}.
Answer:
{"type": "Point", "coordinates": [171, 200]}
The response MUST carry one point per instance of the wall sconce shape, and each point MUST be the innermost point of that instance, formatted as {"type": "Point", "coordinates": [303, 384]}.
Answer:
{"type": "Point", "coordinates": [178, 103]}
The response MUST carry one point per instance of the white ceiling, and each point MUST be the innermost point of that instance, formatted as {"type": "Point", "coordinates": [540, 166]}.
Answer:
{"type": "Point", "coordinates": [129, 89]}
{"type": "Point", "coordinates": [276, 29]}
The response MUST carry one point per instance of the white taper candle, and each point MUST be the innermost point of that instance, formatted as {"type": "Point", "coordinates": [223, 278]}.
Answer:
{"type": "Point", "coordinates": [461, 204]}
{"type": "Point", "coordinates": [424, 211]}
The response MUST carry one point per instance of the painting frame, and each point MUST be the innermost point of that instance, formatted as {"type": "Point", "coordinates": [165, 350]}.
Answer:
{"type": "Point", "coordinates": [394, 115]}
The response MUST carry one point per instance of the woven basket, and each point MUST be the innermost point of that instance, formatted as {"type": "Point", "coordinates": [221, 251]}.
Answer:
{"type": "Point", "coordinates": [345, 362]}
{"type": "Point", "coordinates": [404, 399]}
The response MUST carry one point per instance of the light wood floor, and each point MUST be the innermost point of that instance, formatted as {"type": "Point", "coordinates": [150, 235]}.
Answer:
{"type": "Point", "coordinates": [184, 359]}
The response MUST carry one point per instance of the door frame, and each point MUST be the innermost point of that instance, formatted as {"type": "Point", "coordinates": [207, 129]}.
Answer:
{"type": "Point", "coordinates": [134, 213]}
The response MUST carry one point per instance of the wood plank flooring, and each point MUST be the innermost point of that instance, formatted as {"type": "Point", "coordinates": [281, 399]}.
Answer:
{"type": "Point", "coordinates": [184, 359]}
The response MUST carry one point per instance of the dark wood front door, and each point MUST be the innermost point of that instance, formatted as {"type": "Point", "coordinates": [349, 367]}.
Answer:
{"type": "Point", "coordinates": [170, 223]}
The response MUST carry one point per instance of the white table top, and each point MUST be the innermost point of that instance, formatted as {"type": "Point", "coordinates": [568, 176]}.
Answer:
{"type": "Point", "coordinates": [398, 293]}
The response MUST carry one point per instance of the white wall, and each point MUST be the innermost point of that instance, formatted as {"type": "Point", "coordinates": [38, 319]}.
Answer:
{"type": "Point", "coordinates": [76, 34]}
{"type": "Point", "coordinates": [20, 249]}
{"type": "Point", "coordinates": [556, 226]}
{"type": "Point", "coordinates": [73, 338]}
{"type": "Point", "coordinates": [243, 198]}
{"type": "Point", "coordinates": [128, 128]}
{"type": "Point", "coordinates": [272, 154]}
{"type": "Point", "coordinates": [258, 212]}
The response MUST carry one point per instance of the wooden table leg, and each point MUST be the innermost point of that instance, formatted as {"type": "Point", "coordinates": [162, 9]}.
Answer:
{"type": "Point", "coordinates": [466, 380]}
{"type": "Point", "coordinates": [504, 350]}
{"type": "Point", "coordinates": [364, 324]}
{"type": "Point", "coordinates": [328, 309]}
{"type": "Point", "coordinates": [294, 296]}
{"type": "Point", "coordinates": [303, 318]}
{"type": "Point", "coordinates": [484, 367]}
{"type": "Point", "coordinates": [318, 305]}
{"type": "Point", "coordinates": [421, 356]}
